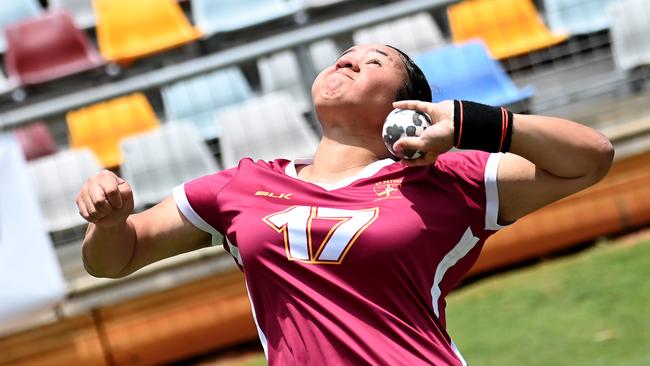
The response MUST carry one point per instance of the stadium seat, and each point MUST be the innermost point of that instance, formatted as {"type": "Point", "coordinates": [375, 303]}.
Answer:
{"type": "Point", "coordinates": [196, 100]}
{"type": "Point", "coordinates": [215, 16]}
{"type": "Point", "coordinates": [14, 10]}
{"type": "Point", "coordinates": [281, 72]}
{"type": "Point", "coordinates": [157, 161]}
{"type": "Point", "coordinates": [323, 54]}
{"type": "Point", "coordinates": [411, 34]}
{"type": "Point", "coordinates": [629, 30]}
{"type": "Point", "coordinates": [282, 133]}
{"type": "Point", "coordinates": [57, 179]}
{"type": "Point", "coordinates": [6, 85]}
{"type": "Point", "coordinates": [82, 11]}
{"type": "Point", "coordinates": [466, 71]}
{"type": "Point", "coordinates": [102, 125]}
{"type": "Point", "coordinates": [509, 27]}
{"type": "Point", "coordinates": [35, 140]}
{"type": "Point", "coordinates": [576, 16]}
{"type": "Point", "coordinates": [320, 3]}
{"type": "Point", "coordinates": [47, 47]}
{"type": "Point", "coordinates": [128, 30]}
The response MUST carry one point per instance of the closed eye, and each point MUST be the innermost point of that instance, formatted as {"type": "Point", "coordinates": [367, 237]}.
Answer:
{"type": "Point", "coordinates": [374, 61]}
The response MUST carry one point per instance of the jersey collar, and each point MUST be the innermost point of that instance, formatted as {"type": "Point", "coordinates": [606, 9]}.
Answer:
{"type": "Point", "coordinates": [370, 170]}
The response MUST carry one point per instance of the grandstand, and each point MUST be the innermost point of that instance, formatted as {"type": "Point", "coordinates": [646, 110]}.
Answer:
{"type": "Point", "coordinates": [164, 91]}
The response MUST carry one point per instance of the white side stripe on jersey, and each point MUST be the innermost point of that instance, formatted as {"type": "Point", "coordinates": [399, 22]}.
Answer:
{"type": "Point", "coordinates": [492, 193]}
{"type": "Point", "coordinates": [234, 251]}
{"type": "Point", "coordinates": [457, 352]}
{"type": "Point", "coordinates": [464, 245]}
{"type": "Point", "coordinates": [186, 209]}
{"type": "Point", "coordinates": [260, 333]}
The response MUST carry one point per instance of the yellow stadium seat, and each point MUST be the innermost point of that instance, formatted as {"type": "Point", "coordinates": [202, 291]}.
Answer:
{"type": "Point", "coordinates": [509, 27]}
{"type": "Point", "coordinates": [101, 126]}
{"type": "Point", "coordinates": [128, 29]}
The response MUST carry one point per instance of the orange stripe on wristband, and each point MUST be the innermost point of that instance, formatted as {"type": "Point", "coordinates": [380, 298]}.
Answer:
{"type": "Point", "coordinates": [460, 125]}
{"type": "Point", "coordinates": [504, 127]}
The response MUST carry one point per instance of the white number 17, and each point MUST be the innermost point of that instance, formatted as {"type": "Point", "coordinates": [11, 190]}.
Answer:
{"type": "Point", "coordinates": [295, 224]}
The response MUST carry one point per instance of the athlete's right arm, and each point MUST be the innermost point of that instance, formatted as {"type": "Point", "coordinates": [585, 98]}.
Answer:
{"type": "Point", "coordinates": [119, 242]}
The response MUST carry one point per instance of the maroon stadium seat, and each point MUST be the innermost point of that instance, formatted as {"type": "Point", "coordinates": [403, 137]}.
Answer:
{"type": "Point", "coordinates": [36, 140]}
{"type": "Point", "coordinates": [47, 47]}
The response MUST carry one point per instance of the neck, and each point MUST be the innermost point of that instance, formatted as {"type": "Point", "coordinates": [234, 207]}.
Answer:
{"type": "Point", "coordinates": [342, 156]}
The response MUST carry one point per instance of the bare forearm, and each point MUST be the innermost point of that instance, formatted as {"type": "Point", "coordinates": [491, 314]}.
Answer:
{"type": "Point", "coordinates": [107, 251]}
{"type": "Point", "coordinates": [560, 147]}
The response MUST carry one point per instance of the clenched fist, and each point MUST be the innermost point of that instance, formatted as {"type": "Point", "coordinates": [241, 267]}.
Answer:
{"type": "Point", "coordinates": [105, 200]}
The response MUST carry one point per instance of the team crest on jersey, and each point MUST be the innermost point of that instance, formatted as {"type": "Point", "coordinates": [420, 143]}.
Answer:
{"type": "Point", "coordinates": [388, 189]}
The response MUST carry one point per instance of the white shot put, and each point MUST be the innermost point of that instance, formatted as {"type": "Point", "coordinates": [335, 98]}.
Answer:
{"type": "Point", "coordinates": [404, 123]}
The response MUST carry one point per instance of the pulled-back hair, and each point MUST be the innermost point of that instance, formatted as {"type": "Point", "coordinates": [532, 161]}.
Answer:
{"type": "Point", "coordinates": [416, 86]}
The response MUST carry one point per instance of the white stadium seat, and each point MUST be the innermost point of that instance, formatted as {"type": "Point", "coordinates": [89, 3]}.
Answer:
{"type": "Point", "coordinates": [265, 128]}
{"type": "Point", "coordinates": [323, 54]}
{"type": "Point", "coordinates": [158, 160]}
{"type": "Point", "coordinates": [82, 11]}
{"type": "Point", "coordinates": [412, 34]}
{"type": "Point", "coordinates": [281, 72]}
{"type": "Point", "coordinates": [629, 30]}
{"type": "Point", "coordinates": [57, 179]}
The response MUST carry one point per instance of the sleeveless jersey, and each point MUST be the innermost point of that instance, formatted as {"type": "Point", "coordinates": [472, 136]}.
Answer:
{"type": "Point", "coordinates": [354, 273]}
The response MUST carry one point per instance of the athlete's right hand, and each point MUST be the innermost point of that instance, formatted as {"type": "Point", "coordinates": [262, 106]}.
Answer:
{"type": "Point", "coordinates": [105, 200]}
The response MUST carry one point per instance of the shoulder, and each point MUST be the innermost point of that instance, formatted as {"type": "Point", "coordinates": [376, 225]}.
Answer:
{"type": "Point", "coordinates": [469, 165]}
{"type": "Point", "coordinates": [462, 160]}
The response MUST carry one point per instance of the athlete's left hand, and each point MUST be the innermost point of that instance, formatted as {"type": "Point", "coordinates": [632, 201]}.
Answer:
{"type": "Point", "coordinates": [436, 139]}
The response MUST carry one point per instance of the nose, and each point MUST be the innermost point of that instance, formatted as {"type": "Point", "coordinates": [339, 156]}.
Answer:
{"type": "Point", "coordinates": [347, 62]}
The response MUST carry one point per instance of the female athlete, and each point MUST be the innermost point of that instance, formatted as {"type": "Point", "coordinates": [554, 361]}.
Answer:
{"type": "Point", "coordinates": [348, 256]}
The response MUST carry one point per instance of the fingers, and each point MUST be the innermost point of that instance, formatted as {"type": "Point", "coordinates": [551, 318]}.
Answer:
{"type": "Point", "coordinates": [99, 201]}
{"type": "Point", "coordinates": [83, 211]}
{"type": "Point", "coordinates": [89, 208]}
{"type": "Point", "coordinates": [411, 144]}
{"type": "Point", "coordinates": [126, 195]}
{"type": "Point", "coordinates": [426, 159]}
{"type": "Point", "coordinates": [436, 111]}
{"type": "Point", "coordinates": [418, 105]}
{"type": "Point", "coordinates": [434, 141]}
{"type": "Point", "coordinates": [109, 187]}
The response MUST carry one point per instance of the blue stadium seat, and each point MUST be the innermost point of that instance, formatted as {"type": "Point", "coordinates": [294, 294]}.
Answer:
{"type": "Point", "coordinates": [196, 100]}
{"type": "Point", "coordinates": [466, 71]}
{"type": "Point", "coordinates": [15, 10]}
{"type": "Point", "coordinates": [215, 16]}
{"type": "Point", "coordinates": [577, 16]}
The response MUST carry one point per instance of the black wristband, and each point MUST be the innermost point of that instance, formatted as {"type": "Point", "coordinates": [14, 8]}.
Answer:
{"type": "Point", "coordinates": [482, 127]}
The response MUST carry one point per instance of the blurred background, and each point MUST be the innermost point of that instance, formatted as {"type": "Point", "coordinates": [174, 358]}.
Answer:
{"type": "Point", "coordinates": [162, 91]}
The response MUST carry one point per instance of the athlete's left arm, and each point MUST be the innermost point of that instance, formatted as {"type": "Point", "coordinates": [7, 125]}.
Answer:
{"type": "Point", "coordinates": [550, 158]}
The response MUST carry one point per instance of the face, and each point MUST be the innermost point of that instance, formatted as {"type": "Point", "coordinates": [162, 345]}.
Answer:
{"type": "Point", "coordinates": [360, 86]}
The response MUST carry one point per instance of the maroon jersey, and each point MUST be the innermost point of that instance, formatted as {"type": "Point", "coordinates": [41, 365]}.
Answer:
{"type": "Point", "coordinates": [353, 273]}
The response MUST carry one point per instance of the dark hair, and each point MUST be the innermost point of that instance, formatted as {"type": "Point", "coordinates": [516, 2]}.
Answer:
{"type": "Point", "coordinates": [416, 87]}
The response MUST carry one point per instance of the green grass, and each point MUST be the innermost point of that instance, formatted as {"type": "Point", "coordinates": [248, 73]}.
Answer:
{"type": "Point", "coordinates": [592, 308]}
{"type": "Point", "coordinates": [589, 309]}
